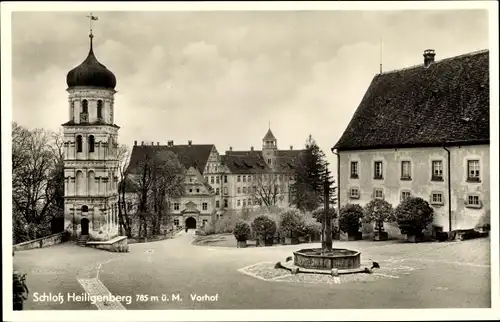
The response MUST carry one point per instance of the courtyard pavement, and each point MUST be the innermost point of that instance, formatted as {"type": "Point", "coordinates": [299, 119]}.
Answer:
{"type": "Point", "coordinates": [425, 275]}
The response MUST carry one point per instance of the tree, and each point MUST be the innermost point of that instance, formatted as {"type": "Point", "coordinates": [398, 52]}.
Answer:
{"type": "Point", "coordinates": [37, 181]}
{"type": "Point", "coordinates": [158, 177]}
{"type": "Point", "coordinates": [378, 211]}
{"type": "Point", "coordinates": [350, 218]}
{"type": "Point", "coordinates": [123, 156]}
{"type": "Point", "coordinates": [413, 215]}
{"type": "Point", "coordinates": [310, 174]}
{"type": "Point", "coordinates": [268, 189]}
{"type": "Point", "coordinates": [292, 223]}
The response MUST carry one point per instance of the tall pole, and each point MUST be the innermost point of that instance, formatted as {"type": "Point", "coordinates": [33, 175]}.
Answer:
{"type": "Point", "coordinates": [328, 219]}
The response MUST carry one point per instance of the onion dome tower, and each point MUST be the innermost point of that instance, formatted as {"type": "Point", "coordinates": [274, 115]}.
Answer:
{"type": "Point", "coordinates": [90, 151]}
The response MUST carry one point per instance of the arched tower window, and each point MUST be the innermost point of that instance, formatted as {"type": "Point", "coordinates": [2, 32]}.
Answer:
{"type": "Point", "coordinates": [72, 111]}
{"type": "Point", "coordinates": [91, 182]}
{"type": "Point", "coordinates": [85, 209]}
{"type": "Point", "coordinates": [79, 143]}
{"type": "Point", "coordinates": [91, 143]}
{"type": "Point", "coordinates": [99, 109]}
{"type": "Point", "coordinates": [85, 106]}
{"type": "Point", "coordinates": [79, 183]}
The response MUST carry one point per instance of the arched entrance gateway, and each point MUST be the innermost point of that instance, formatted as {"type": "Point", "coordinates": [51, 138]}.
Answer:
{"type": "Point", "coordinates": [191, 223]}
{"type": "Point", "coordinates": [84, 226]}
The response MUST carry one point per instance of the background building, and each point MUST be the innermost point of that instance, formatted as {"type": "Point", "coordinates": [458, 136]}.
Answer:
{"type": "Point", "coordinates": [423, 131]}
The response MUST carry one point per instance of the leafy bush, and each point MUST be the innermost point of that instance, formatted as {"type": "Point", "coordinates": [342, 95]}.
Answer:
{"type": "Point", "coordinates": [20, 290]}
{"type": "Point", "coordinates": [379, 211]}
{"type": "Point", "coordinates": [242, 231]}
{"type": "Point", "coordinates": [319, 214]}
{"type": "Point", "coordinates": [263, 226]}
{"type": "Point", "coordinates": [292, 222]}
{"type": "Point", "coordinates": [312, 228]}
{"type": "Point", "coordinates": [350, 218]}
{"type": "Point", "coordinates": [224, 225]}
{"type": "Point", "coordinates": [413, 215]}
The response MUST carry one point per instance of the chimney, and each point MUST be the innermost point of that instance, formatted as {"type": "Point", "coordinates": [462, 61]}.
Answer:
{"type": "Point", "coordinates": [157, 143]}
{"type": "Point", "coordinates": [152, 143]}
{"type": "Point", "coordinates": [135, 142]}
{"type": "Point", "coordinates": [429, 57]}
{"type": "Point", "coordinates": [142, 142]}
{"type": "Point", "coordinates": [230, 148]}
{"type": "Point", "coordinates": [291, 147]}
{"type": "Point", "coordinates": [251, 148]}
{"type": "Point", "coordinates": [170, 143]}
{"type": "Point", "coordinates": [190, 142]}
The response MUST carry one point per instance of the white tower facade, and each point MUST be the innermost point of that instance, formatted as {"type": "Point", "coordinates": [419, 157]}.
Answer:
{"type": "Point", "coordinates": [90, 151]}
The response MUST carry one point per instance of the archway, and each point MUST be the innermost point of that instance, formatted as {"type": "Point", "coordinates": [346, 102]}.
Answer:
{"type": "Point", "coordinates": [84, 226]}
{"type": "Point", "coordinates": [191, 223]}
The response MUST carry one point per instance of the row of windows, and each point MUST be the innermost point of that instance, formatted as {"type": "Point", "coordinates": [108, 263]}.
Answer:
{"type": "Point", "coordinates": [436, 198]}
{"type": "Point", "coordinates": [85, 108]}
{"type": "Point", "coordinates": [473, 170]}
{"type": "Point", "coordinates": [245, 202]}
{"type": "Point", "coordinates": [90, 143]}
{"type": "Point", "coordinates": [204, 206]}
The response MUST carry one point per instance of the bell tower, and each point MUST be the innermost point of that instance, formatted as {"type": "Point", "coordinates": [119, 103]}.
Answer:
{"type": "Point", "coordinates": [90, 150]}
{"type": "Point", "coordinates": [269, 147]}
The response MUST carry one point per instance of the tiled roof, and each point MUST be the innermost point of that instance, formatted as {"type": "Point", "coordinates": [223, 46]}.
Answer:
{"type": "Point", "coordinates": [447, 102]}
{"type": "Point", "coordinates": [245, 163]}
{"type": "Point", "coordinates": [195, 155]}
{"type": "Point", "coordinates": [269, 135]}
{"type": "Point", "coordinates": [253, 162]}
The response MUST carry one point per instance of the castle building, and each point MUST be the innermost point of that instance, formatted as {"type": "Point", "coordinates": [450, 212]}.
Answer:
{"type": "Point", "coordinates": [423, 131]}
{"type": "Point", "coordinates": [216, 184]}
{"type": "Point", "coordinates": [90, 150]}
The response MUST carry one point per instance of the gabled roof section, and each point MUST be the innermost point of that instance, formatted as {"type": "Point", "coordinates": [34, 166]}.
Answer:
{"type": "Point", "coordinates": [445, 103]}
{"type": "Point", "coordinates": [195, 155]}
{"type": "Point", "coordinates": [245, 164]}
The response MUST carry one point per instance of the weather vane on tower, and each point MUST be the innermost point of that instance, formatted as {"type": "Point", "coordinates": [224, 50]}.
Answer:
{"type": "Point", "coordinates": [91, 18]}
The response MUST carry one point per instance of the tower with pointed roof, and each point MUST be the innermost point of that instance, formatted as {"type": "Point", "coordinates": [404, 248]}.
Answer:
{"type": "Point", "coordinates": [269, 147]}
{"type": "Point", "coordinates": [90, 151]}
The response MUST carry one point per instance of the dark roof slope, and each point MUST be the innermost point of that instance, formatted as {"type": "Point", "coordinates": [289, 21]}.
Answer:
{"type": "Point", "coordinates": [448, 102]}
{"type": "Point", "coordinates": [269, 135]}
{"type": "Point", "coordinates": [253, 162]}
{"type": "Point", "coordinates": [195, 155]}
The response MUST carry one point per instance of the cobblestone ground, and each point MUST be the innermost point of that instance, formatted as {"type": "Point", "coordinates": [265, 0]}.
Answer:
{"type": "Point", "coordinates": [427, 275]}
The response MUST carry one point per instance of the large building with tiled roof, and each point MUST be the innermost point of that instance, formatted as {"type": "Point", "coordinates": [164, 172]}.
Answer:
{"type": "Point", "coordinates": [423, 131]}
{"type": "Point", "coordinates": [217, 183]}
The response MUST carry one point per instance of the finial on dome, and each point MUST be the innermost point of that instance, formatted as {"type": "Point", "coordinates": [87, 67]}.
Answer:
{"type": "Point", "coordinates": [91, 36]}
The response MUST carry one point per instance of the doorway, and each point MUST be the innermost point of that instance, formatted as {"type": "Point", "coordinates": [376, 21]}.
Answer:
{"type": "Point", "coordinates": [191, 223]}
{"type": "Point", "coordinates": [84, 226]}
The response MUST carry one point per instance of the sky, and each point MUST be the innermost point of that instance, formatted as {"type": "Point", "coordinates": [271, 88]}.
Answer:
{"type": "Point", "coordinates": [221, 78]}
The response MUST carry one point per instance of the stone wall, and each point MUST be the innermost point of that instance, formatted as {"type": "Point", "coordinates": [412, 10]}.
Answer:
{"type": "Point", "coordinates": [117, 244]}
{"type": "Point", "coordinates": [42, 242]}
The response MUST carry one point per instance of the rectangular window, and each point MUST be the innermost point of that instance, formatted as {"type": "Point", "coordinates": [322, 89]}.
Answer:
{"type": "Point", "coordinates": [225, 191]}
{"type": "Point", "coordinates": [244, 189]}
{"type": "Point", "coordinates": [212, 180]}
{"type": "Point", "coordinates": [205, 206]}
{"type": "Point", "coordinates": [254, 189]}
{"type": "Point", "coordinates": [249, 202]}
{"type": "Point", "coordinates": [176, 222]}
{"type": "Point", "coordinates": [176, 206]}
{"type": "Point", "coordinates": [239, 190]}
{"type": "Point", "coordinates": [437, 170]}
{"type": "Point", "coordinates": [473, 170]}
{"type": "Point", "coordinates": [190, 190]}
{"type": "Point", "coordinates": [225, 203]}
{"type": "Point", "coordinates": [354, 193]}
{"type": "Point", "coordinates": [405, 170]}
{"type": "Point", "coordinates": [378, 170]}
{"type": "Point", "coordinates": [354, 169]}
{"type": "Point", "coordinates": [244, 202]}
{"type": "Point", "coordinates": [378, 193]}
{"type": "Point", "coordinates": [244, 178]}
{"type": "Point", "coordinates": [225, 179]}
{"type": "Point", "coordinates": [437, 198]}
{"type": "Point", "coordinates": [217, 179]}
{"type": "Point", "coordinates": [217, 191]}
{"type": "Point", "coordinates": [198, 190]}
{"type": "Point", "coordinates": [472, 201]}
{"type": "Point", "coordinates": [249, 178]}
{"type": "Point", "coordinates": [190, 179]}
{"type": "Point", "coordinates": [238, 179]}
{"type": "Point", "coordinates": [217, 204]}
{"type": "Point", "coordinates": [238, 202]}
{"type": "Point", "coordinates": [405, 195]}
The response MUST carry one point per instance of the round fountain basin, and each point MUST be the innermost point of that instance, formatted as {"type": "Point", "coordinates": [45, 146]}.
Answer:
{"type": "Point", "coordinates": [338, 258]}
